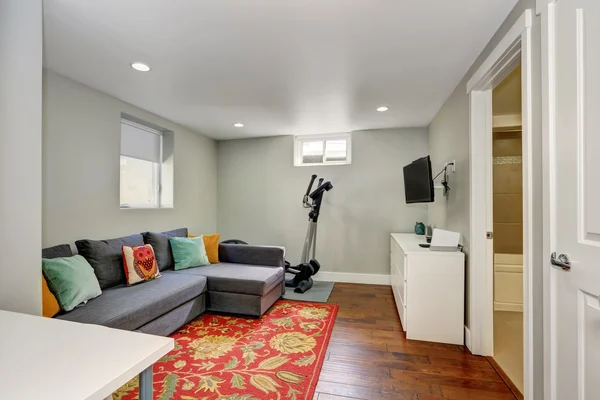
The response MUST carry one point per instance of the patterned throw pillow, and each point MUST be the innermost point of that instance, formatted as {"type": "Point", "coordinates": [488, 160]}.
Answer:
{"type": "Point", "coordinates": [140, 264]}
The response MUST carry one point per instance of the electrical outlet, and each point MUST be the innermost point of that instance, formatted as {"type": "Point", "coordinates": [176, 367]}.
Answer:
{"type": "Point", "coordinates": [452, 164]}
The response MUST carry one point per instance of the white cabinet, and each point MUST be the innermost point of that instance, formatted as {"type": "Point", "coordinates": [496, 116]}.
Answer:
{"type": "Point", "coordinates": [429, 289]}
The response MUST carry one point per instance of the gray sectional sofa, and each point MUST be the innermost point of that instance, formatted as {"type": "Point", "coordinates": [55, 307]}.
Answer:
{"type": "Point", "coordinates": [247, 281]}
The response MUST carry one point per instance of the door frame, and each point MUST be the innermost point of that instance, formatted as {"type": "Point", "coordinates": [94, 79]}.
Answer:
{"type": "Point", "coordinates": [512, 50]}
{"type": "Point", "coordinates": [546, 8]}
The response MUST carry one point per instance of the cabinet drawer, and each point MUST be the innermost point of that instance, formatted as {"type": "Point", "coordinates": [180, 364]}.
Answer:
{"type": "Point", "coordinates": [398, 282]}
{"type": "Point", "coordinates": [400, 307]}
{"type": "Point", "coordinates": [398, 258]}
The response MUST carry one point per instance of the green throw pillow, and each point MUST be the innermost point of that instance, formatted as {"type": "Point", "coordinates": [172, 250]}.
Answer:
{"type": "Point", "coordinates": [71, 279]}
{"type": "Point", "coordinates": [188, 252]}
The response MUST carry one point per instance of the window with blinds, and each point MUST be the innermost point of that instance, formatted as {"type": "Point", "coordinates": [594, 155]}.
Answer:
{"type": "Point", "coordinates": [322, 149]}
{"type": "Point", "coordinates": [141, 165]}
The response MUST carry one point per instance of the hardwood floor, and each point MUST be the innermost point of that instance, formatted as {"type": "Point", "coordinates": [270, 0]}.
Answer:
{"type": "Point", "coordinates": [370, 358]}
{"type": "Point", "coordinates": [513, 388]}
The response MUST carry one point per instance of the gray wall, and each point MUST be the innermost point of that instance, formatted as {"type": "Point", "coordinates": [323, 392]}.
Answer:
{"type": "Point", "coordinates": [260, 197]}
{"type": "Point", "coordinates": [81, 149]}
{"type": "Point", "coordinates": [20, 155]}
{"type": "Point", "coordinates": [449, 139]}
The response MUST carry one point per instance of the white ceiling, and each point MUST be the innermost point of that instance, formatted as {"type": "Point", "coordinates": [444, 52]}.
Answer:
{"type": "Point", "coordinates": [278, 66]}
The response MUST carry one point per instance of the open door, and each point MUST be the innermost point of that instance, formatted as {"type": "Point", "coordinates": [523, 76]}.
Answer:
{"type": "Point", "coordinates": [572, 208]}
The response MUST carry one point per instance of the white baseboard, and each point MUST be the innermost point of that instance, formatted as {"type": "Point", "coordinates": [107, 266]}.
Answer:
{"type": "Point", "coordinates": [348, 277]}
{"type": "Point", "coordinates": [516, 307]}
{"type": "Point", "coordinates": [468, 338]}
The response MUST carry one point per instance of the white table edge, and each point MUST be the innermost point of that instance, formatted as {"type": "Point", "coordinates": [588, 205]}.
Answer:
{"type": "Point", "coordinates": [111, 387]}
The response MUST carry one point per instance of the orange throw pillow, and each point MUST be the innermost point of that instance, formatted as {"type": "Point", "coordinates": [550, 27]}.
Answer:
{"type": "Point", "coordinates": [50, 305]}
{"type": "Point", "coordinates": [211, 243]}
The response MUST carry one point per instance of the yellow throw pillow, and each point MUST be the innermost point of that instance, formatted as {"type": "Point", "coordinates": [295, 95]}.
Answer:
{"type": "Point", "coordinates": [50, 305]}
{"type": "Point", "coordinates": [211, 243]}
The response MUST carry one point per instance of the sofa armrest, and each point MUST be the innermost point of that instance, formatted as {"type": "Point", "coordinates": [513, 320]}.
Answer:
{"type": "Point", "coordinates": [254, 255]}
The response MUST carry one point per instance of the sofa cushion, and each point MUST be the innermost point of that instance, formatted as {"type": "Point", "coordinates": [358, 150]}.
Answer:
{"type": "Point", "coordinates": [106, 258]}
{"type": "Point", "coordinates": [188, 252]}
{"type": "Point", "coordinates": [162, 247]}
{"type": "Point", "coordinates": [139, 264]}
{"type": "Point", "coordinates": [211, 244]}
{"type": "Point", "coordinates": [254, 255]}
{"type": "Point", "coordinates": [62, 250]}
{"type": "Point", "coordinates": [71, 279]}
{"type": "Point", "coordinates": [239, 278]}
{"type": "Point", "coordinates": [131, 307]}
{"type": "Point", "coordinates": [50, 305]}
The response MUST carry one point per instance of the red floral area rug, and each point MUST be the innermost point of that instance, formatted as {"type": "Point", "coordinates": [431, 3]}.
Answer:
{"type": "Point", "coordinates": [278, 356]}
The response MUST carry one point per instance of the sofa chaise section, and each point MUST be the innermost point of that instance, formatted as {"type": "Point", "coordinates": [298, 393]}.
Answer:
{"type": "Point", "coordinates": [248, 280]}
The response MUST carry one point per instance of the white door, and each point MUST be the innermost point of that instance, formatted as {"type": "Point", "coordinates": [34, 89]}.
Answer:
{"type": "Point", "coordinates": [574, 199]}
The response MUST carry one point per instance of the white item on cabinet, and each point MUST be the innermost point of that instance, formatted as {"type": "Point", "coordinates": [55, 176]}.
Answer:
{"type": "Point", "coordinates": [442, 240]}
{"type": "Point", "coordinates": [429, 289]}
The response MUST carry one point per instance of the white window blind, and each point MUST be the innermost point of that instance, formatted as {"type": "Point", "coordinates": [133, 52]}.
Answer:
{"type": "Point", "coordinates": [336, 150]}
{"type": "Point", "coordinates": [138, 141]}
{"type": "Point", "coordinates": [141, 165]}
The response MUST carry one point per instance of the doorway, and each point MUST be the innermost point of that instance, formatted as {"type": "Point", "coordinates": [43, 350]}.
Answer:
{"type": "Point", "coordinates": [507, 200]}
{"type": "Point", "coordinates": [514, 49]}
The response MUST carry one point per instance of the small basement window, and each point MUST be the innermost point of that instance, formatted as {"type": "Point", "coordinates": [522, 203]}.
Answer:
{"type": "Point", "coordinates": [140, 165]}
{"type": "Point", "coordinates": [322, 150]}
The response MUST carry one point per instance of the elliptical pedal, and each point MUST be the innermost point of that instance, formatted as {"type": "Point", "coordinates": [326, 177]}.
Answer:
{"type": "Point", "coordinates": [315, 264]}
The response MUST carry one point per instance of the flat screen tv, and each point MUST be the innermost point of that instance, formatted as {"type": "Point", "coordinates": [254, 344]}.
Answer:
{"type": "Point", "coordinates": [418, 184]}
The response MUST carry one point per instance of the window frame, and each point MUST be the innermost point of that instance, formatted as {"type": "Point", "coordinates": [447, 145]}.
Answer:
{"type": "Point", "coordinates": [158, 189]}
{"type": "Point", "coordinates": [300, 140]}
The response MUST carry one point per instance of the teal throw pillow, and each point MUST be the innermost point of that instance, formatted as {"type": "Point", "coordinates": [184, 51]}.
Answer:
{"type": "Point", "coordinates": [71, 279]}
{"type": "Point", "coordinates": [188, 252]}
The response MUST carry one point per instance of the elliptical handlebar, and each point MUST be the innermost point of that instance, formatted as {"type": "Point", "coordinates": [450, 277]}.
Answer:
{"type": "Point", "coordinates": [312, 180]}
{"type": "Point", "coordinates": [316, 194]}
{"type": "Point", "coordinates": [305, 202]}
{"type": "Point", "coordinates": [325, 187]}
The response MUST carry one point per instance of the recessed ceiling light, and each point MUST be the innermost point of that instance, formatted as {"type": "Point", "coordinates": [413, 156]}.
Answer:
{"type": "Point", "coordinates": [238, 125]}
{"type": "Point", "coordinates": [139, 66]}
{"type": "Point", "coordinates": [382, 109]}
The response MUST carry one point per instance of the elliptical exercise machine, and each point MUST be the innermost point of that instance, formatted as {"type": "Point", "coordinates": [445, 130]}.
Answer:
{"type": "Point", "coordinates": [304, 271]}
